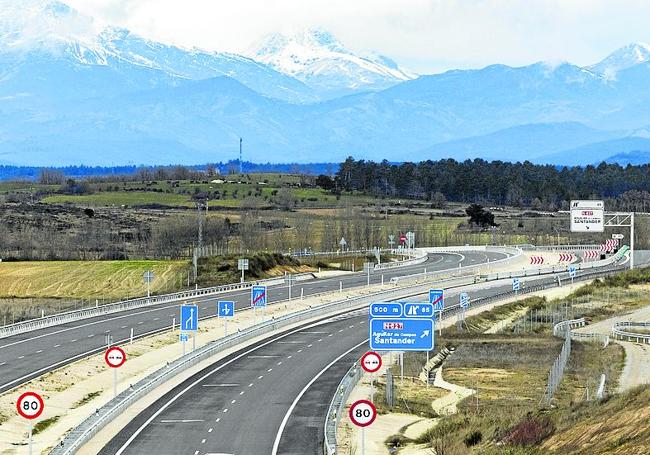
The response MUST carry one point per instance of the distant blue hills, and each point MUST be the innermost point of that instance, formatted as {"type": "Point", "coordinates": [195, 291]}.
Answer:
{"type": "Point", "coordinates": [113, 98]}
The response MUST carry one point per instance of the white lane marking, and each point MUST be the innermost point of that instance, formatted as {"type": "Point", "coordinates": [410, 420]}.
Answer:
{"type": "Point", "coordinates": [262, 356]}
{"type": "Point", "coordinates": [210, 430]}
{"type": "Point", "coordinates": [260, 377]}
{"type": "Point", "coordinates": [21, 357]}
{"type": "Point", "coordinates": [289, 356]}
{"type": "Point", "coordinates": [218, 419]}
{"type": "Point", "coordinates": [3, 363]}
{"type": "Point", "coordinates": [156, 319]}
{"type": "Point", "coordinates": [279, 363]}
{"type": "Point", "coordinates": [219, 385]}
{"type": "Point", "coordinates": [196, 453]}
{"type": "Point", "coordinates": [181, 421]}
{"type": "Point", "coordinates": [73, 341]}
{"type": "Point", "coordinates": [290, 342]}
{"type": "Point", "coordinates": [330, 335]}
{"type": "Point", "coordinates": [90, 336]}
{"type": "Point", "coordinates": [250, 385]}
{"type": "Point", "coordinates": [39, 351]}
{"type": "Point", "coordinates": [299, 350]}
{"type": "Point", "coordinates": [107, 331]}
{"type": "Point", "coordinates": [316, 333]}
{"type": "Point", "coordinates": [278, 436]}
{"type": "Point", "coordinates": [320, 339]}
{"type": "Point", "coordinates": [139, 323]}
{"type": "Point", "coordinates": [269, 370]}
{"type": "Point", "coordinates": [225, 410]}
{"type": "Point", "coordinates": [56, 346]}
{"type": "Point", "coordinates": [241, 393]}
{"type": "Point", "coordinates": [123, 327]}
{"type": "Point", "coordinates": [155, 415]}
{"type": "Point", "coordinates": [309, 345]}
{"type": "Point", "coordinates": [202, 441]}
{"type": "Point", "coordinates": [233, 402]}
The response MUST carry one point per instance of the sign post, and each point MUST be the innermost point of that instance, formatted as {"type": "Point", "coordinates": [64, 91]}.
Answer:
{"type": "Point", "coordinates": [242, 264]}
{"type": "Point", "coordinates": [371, 363]}
{"type": "Point", "coordinates": [367, 266]}
{"type": "Point", "coordinates": [115, 358]}
{"type": "Point", "coordinates": [391, 241]}
{"type": "Point", "coordinates": [289, 279]}
{"type": "Point", "coordinates": [437, 299]}
{"type": "Point", "coordinates": [148, 277]}
{"type": "Point", "coordinates": [30, 406]}
{"type": "Point", "coordinates": [225, 311]}
{"type": "Point", "coordinates": [362, 414]}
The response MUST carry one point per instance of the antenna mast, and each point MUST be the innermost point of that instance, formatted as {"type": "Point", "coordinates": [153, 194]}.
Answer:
{"type": "Point", "coordinates": [241, 164]}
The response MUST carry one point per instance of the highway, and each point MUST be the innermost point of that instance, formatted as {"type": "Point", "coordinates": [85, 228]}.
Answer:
{"type": "Point", "coordinates": [268, 398]}
{"type": "Point", "coordinates": [28, 355]}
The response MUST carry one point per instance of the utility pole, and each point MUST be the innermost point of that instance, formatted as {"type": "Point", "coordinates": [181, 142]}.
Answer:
{"type": "Point", "coordinates": [241, 164]}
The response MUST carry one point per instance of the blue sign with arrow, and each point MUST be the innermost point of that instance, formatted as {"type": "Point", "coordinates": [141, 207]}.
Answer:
{"type": "Point", "coordinates": [572, 271]}
{"type": "Point", "coordinates": [385, 309]}
{"type": "Point", "coordinates": [516, 284]}
{"type": "Point", "coordinates": [437, 299]}
{"type": "Point", "coordinates": [190, 318]}
{"type": "Point", "coordinates": [396, 334]}
{"type": "Point", "coordinates": [418, 310]}
{"type": "Point", "coordinates": [226, 309]}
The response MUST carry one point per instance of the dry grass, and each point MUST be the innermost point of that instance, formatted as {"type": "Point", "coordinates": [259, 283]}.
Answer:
{"type": "Point", "coordinates": [87, 279]}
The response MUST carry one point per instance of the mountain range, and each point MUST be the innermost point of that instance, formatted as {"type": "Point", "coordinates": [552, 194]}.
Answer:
{"type": "Point", "coordinates": [76, 92]}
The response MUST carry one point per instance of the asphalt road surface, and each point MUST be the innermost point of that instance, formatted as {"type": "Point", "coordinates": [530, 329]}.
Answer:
{"type": "Point", "coordinates": [271, 395]}
{"type": "Point", "coordinates": [26, 356]}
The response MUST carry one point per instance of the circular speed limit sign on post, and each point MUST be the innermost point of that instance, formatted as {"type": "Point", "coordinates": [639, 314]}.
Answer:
{"type": "Point", "coordinates": [363, 413]}
{"type": "Point", "coordinates": [371, 362]}
{"type": "Point", "coordinates": [30, 405]}
{"type": "Point", "coordinates": [115, 357]}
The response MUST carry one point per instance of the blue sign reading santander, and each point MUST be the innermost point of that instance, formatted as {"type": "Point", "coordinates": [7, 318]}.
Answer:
{"type": "Point", "coordinates": [396, 334]}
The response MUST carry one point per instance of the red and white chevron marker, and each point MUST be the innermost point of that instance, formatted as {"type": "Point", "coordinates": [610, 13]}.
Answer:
{"type": "Point", "coordinates": [567, 257]}
{"type": "Point", "coordinates": [536, 260]}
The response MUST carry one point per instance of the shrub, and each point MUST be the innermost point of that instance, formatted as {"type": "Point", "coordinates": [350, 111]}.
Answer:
{"type": "Point", "coordinates": [475, 437]}
{"type": "Point", "coordinates": [530, 431]}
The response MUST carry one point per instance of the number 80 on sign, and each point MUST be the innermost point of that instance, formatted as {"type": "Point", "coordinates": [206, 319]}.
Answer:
{"type": "Point", "coordinates": [30, 405]}
{"type": "Point", "coordinates": [362, 413]}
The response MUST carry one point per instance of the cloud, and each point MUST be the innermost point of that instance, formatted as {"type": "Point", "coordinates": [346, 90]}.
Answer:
{"type": "Point", "coordinates": [427, 35]}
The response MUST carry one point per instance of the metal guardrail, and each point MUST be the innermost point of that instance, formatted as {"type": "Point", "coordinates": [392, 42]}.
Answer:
{"type": "Point", "coordinates": [461, 271]}
{"type": "Point", "coordinates": [420, 257]}
{"type": "Point", "coordinates": [337, 405]}
{"type": "Point", "coordinates": [100, 310]}
{"type": "Point", "coordinates": [332, 419]}
{"type": "Point", "coordinates": [91, 425]}
{"type": "Point", "coordinates": [619, 332]}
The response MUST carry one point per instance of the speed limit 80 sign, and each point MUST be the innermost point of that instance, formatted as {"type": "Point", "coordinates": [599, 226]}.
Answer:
{"type": "Point", "coordinates": [362, 413]}
{"type": "Point", "coordinates": [30, 405]}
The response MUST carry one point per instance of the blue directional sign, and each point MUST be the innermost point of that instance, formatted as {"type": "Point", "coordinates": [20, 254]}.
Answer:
{"type": "Point", "coordinates": [516, 284]}
{"type": "Point", "coordinates": [258, 296]}
{"type": "Point", "coordinates": [384, 309]}
{"type": "Point", "coordinates": [418, 310]}
{"type": "Point", "coordinates": [184, 337]}
{"type": "Point", "coordinates": [226, 309]}
{"type": "Point", "coordinates": [437, 299]}
{"type": "Point", "coordinates": [395, 334]}
{"type": "Point", "coordinates": [464, 299]}
{"type": "Point", "coordinates": [572, 271]}
{"type": "Point", "coordinates": [189, 318]}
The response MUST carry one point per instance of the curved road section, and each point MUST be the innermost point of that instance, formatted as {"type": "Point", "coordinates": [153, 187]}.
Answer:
{"type": "Point", "coordinates": [26, 356]}
{"type": "Point", "coordinates": [270, 398]}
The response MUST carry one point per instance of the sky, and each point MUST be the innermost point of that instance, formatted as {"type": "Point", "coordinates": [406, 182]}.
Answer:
{"type": "Point", "coordinates": [426, 36]}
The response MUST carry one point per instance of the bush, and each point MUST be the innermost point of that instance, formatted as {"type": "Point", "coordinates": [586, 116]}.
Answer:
{"type": "Point", "coordinates": [530, 431]}
{"type": "Point", "coordinates": [475, 437]}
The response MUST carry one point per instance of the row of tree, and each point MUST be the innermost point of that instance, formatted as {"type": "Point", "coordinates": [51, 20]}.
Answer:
{"type": "Point", "coordinates": [479, 181]}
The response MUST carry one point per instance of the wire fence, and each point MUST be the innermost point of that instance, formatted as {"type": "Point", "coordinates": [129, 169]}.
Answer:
{"type": "Point", "coordinates": [557, 372]}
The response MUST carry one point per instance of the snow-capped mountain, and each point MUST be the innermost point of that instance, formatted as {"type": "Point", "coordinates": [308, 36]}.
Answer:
{"type": "Point", "coordinates": [621, 59]}
{"type": "Point", "coordinates": [318, 59]}
{"type": "Point", "coordinates": [56, 38]}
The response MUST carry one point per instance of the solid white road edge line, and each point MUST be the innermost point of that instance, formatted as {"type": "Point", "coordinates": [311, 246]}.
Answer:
{"type": "Point", "coordinates": [276, 444]}
{"type": "Point", "coordinates": [202, 378]}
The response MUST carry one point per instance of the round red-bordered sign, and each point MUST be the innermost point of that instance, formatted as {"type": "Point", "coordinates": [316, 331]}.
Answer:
{"type": "Point", "coordinates": [371, 362]}
{"type": "Point", "coordinates": [30, 405]}
{"type": "Point", "coordinates": [115, 357]}
{"type": "Point", "coordinates": [362, 413]}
